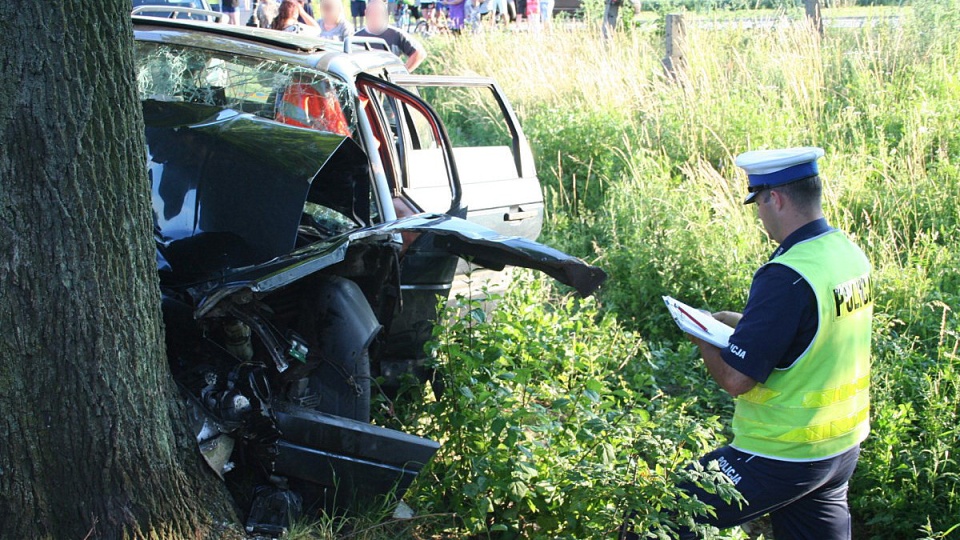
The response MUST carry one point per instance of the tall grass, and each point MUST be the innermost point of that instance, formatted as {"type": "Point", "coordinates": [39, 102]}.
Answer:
{"type": "Point", "coordinates": [638, 175]}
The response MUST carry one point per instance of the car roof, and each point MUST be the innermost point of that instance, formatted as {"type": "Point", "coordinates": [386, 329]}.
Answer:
{"type": "Point", "coordinates": [263, 43]}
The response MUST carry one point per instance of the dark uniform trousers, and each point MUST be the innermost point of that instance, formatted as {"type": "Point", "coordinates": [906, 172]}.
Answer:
{"type": "Point", "coordinates": [806, 500]}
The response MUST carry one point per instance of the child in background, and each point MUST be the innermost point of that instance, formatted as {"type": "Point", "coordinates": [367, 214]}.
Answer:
{"type": "Point", "coordinates": [456, 14]}
{"type": "Point", "coordinates": [546, 12]}
{"type": "Point", "coordinates": [471, 15]}
{"type": "Point", "coordinates": [533, 14]}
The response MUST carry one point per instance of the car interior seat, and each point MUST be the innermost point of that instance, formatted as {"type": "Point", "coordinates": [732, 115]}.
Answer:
{"type": "Point", "coordinates": [302, 105]}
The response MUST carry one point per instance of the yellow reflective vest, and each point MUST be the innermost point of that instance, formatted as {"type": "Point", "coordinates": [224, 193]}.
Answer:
{"type": "Point", "coordinates": [818, 407]}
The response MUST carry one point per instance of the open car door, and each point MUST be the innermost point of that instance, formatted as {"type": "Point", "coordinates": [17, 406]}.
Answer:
{"type": "Point", "coordinates": [498, 180]}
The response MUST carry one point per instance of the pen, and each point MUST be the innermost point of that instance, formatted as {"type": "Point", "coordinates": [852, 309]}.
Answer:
{"type": "Point", "coordinates": [691, 317]}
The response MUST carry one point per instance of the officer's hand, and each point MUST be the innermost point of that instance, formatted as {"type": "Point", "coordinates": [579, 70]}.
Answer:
{"type": "Point", "coordinates": [729, 318]}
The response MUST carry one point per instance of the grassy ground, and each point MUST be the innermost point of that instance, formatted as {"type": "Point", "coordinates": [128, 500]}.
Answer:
{"type": "Point", "coordinates": [559, 414]}
{"type": "Point", "coordinates": [868, 12]}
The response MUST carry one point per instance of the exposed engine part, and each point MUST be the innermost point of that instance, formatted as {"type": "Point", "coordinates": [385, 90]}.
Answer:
{"type": "Point", "coordinates": [299, 393]}
{"type": "Point", "coordinates": [226, 400]}
{"type": "Point", "coordinates": [278, 352]}
{"type": "Point", "coordinates": [216, 446]}
{"type": "Point", "coordinates": [298, 347]}
{"type": "Point", "coordinates": [237, 340]}
{"type": "Point", "coordinates": [233, 405]}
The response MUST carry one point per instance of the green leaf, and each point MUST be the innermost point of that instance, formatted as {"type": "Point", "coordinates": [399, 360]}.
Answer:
{"type": "Point", "coordinates": [498, 425]}
{"type": "Point", "coordinates": [606, 453]}
{"type": "Point", "coordinates": [559, 403]}
{"type": "Point", "coordinates": [594, 385]}
{"type": "Point", "coordinates": [517, 490]}
{"type": "Point", "coordinates": [478, 315]}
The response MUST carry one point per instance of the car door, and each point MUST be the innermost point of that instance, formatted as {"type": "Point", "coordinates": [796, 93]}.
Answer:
{"type": "Point", "coordinates": [427, 269]}
{"type": "Point", "coordinates": [499, 185]}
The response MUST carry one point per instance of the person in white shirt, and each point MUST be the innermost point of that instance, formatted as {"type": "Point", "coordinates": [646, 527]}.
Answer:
{"type": "Point", "coordinates": [333, 25]}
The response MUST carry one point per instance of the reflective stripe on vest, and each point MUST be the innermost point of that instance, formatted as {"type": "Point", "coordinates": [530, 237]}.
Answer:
{"type": "Point", "coordinates": [819, 406]}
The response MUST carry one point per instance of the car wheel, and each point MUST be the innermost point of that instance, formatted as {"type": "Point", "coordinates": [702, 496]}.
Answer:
{"type": "Point", "coordinates": [342, 327]}
{"type": "Point", "coordinates": [344, 387]}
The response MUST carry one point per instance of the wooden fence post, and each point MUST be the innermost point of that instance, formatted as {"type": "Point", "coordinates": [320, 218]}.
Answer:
{"type": "Point", "coordinates": [812, 8]}
{"type": "Point", "coordinates": [674, 35]}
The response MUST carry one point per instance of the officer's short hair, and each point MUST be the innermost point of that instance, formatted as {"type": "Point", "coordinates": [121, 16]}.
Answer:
{"type": "Point", "coordinates": [804, 193]}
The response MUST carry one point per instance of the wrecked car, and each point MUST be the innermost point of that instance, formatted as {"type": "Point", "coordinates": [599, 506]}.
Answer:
{"type": "Point", "coordinates": [309, 209]}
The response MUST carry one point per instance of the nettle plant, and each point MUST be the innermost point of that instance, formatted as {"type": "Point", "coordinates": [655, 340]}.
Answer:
{"type": "Point", "coordinates": [552, 423]}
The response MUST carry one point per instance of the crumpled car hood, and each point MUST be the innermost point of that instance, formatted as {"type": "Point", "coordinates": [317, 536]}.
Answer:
{"type": "Point", "coordinates": [229, 188]}
{"type": "Point", "coordinates": [454, 235]}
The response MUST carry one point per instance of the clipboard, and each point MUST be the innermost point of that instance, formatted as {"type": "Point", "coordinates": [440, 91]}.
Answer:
{"type": "Point", "coordinates": [699, 324]}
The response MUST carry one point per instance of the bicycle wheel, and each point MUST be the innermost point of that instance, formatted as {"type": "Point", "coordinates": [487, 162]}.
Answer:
{"type": "Point", "coordinates": [422, 28]}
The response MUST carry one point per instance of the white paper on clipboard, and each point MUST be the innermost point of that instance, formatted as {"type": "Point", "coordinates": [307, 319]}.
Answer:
{"type": "Point", "coordinates": [699, 324]}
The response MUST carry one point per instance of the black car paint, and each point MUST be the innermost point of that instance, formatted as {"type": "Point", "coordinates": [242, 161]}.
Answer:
{"type": "Point", "coordinates": [231, 187]}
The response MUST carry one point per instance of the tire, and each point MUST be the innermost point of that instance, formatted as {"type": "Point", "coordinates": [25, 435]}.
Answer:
{"type": "Point", "coordinates": [342, 326]}
{"type": "Point", "coordinates": [344, 387]}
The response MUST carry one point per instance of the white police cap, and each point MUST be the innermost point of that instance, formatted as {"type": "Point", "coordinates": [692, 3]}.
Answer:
{"type": "Point", "coordinates": [770, 168]}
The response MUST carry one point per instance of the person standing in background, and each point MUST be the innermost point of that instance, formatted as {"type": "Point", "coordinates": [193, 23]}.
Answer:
{"type": "Point", "coordinates": [357, 10]}
{"type": "Point", "coordinates": [333, 25]}
{"type": "Point", "coordinates": [393, 10]}
{"type": "Point", "coordinates": [229, 8]}
{"type": "Point", "coordinates": [266, 12]}
{"type": "Point", "coordinates": [546, 12]}
{"type": "Point", "coordinates": [532, 12]}
{"type": "Point", "coordinates": [611, 12]}
{"type": "Point", "coordinates": [288, 19]}
{"type": "Point", "coordinates": [307, 8]}
{"type": "Point", "coordinates": [498, 10]}
{"type": "Point", "coordinates": [471, 14]}
{"type": "Point", "coordinates": [397, 40]}
{"type": "Point", "coordinates": [456, 14]}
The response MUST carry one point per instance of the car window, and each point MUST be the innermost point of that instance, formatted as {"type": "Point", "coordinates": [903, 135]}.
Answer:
{"type": "Point", "coordinates": [420, 129]}
{"type": "Point", "coordinates": [472, 115]}
{"type": "Point", "coordinates": [284, 92]}
{"type": "Point", "coordinates": [478, 130]}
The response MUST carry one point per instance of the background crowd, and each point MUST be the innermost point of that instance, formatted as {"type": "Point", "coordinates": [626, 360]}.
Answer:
{"type": "Point", "coordinates": [425, 16]}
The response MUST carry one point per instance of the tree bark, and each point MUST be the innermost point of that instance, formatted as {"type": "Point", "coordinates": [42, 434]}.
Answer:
{"type": "Point", "coordinates": [93, 442]}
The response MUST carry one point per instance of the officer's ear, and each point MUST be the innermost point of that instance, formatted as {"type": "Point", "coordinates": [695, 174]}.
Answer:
{"type": "Point", "coordinates": [777, 199]}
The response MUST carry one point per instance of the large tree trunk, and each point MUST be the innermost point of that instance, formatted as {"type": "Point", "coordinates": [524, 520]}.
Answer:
{"type": "Point", "coordinates": [91, 433]}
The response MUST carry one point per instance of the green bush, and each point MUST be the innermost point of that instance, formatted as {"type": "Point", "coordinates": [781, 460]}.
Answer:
{"type": "Point", "coordinates": [554, 423]}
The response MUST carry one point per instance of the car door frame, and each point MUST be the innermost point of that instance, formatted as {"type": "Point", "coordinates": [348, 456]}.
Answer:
{"type": "Point", "coordinates": [522, 216]}
{"type": "Point", "coordinates": [400, 94]}
{"type": "Point", "coordinates": [523, 159]}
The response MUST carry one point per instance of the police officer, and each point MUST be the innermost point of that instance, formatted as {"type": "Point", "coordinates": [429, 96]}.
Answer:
{"type": "Point", "coordinates": [798, 362]}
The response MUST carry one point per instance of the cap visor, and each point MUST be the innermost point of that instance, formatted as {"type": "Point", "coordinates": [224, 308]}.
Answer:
{"type": "Point", "coordinates": [751, 198]}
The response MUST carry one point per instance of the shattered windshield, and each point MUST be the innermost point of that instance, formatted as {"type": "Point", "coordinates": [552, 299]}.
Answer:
{"type": "Point", "coordinates": [286, 93]}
